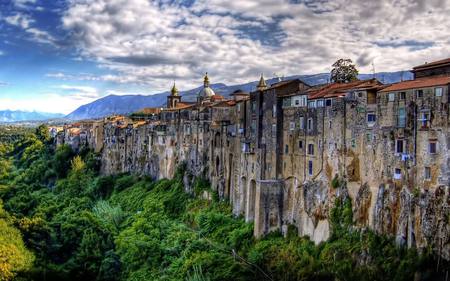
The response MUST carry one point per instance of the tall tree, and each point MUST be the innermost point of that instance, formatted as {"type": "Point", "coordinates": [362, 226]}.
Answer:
{"type": "Point", "coordinates": [344, 71]}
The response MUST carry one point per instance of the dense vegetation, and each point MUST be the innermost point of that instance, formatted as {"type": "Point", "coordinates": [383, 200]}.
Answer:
{"type": "Point", "coordinates": [82, 226]}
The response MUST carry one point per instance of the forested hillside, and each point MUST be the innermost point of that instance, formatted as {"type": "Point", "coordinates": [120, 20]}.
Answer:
{"type": "Point", "coordinates": [78, 225]}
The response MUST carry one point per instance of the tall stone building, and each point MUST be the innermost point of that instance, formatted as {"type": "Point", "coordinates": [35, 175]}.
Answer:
{"type": "Point", "coordinates": [277, 153]}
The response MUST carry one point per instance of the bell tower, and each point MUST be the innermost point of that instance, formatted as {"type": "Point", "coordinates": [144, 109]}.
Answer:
{"type": "Point", "coordinates": [174, 98]}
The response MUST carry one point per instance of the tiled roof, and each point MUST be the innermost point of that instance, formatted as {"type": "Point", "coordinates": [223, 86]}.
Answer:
{"type": "Point", "coordinates": [432, 64]}
{"type": "Point", "coordinates": [339, 89]}
{"type": "Point", "coordinates": [418, 83]}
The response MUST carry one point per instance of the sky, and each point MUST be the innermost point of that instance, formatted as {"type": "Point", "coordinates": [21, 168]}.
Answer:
{"type": "Point", "coordinates": [56, 55]}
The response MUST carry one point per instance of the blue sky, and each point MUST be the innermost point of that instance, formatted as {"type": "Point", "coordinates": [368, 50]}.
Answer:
{"type": "Point", "coordinates": [57, 55]}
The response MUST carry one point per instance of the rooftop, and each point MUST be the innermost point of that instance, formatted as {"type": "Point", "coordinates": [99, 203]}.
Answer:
{"type": "Point", "coordinates": [418, 83]}
{"type": "Point", "coordinates": [432, 64]}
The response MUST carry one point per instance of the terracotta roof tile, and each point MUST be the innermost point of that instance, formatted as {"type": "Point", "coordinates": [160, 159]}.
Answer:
{"type": "Point", "coordinates": [418, 83]}
{"type": "Point", "coordinates": [339, 89]}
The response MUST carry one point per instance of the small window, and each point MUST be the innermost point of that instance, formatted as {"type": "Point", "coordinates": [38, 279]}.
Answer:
{"type": "Point", "coordinates": [371, 117]}
{"type": "Point", "coordinates": [438, 92]}
{"type": "Point", "coordinates": [432, 147]}
{"type": "Point", "coordinates": [419, 94]}
{"type": "Point", "coordinates": [292, 126]}
{"type": "Point", "coordinates": [274, 129]}
{"type": "Point", "coordinates": [311, 149]}
{"type": "Point", "coordinates": [312, 104]}
{"type": "Point", "coordinates": [320, 103]}
{"type": "Point", "coordinates": [391, 97]}
{"type": "Point", "coordinates": [310, 168]}
{"type": "Point", "coordinates": [427, 173]}
{"type": "Point", "coordinates": [300, 144]}
{"type": "Point", "coordinates": [297, 102]}
{"type": "Point", "coordinates": [330, 124]}
{"type": "Point", "coordinates": [274, 110]}
{"type": "Point", "coordinates": [328, 102]}
{"type": "Point", "coordinates": [401, 121]}
{"type": "Point", "coordinates": [399, 146]}
{"type": "Point", "coordinates": [310, 124]}
{"type": "Point", "coordinates": [286, 149]}
{"type": "Point", "coordinates": [424, 118]}
{"type": "Point", "coordinates": [360, 94]}
{"type": "Point", "coordinates": [402, 95]}
{"type": "Point", "coordinates": [397, 174]}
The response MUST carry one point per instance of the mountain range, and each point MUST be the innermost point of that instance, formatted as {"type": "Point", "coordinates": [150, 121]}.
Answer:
{"type": "Point", "coordinates": [126, 104]}
{"type": "Point", "coordinates": [7, 116]}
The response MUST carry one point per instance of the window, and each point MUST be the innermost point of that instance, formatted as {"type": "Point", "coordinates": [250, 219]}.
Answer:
{"type": "Point", "coordinates": [311, 149]}
{"type": "Point", "coordinates": [401, 122]}
{"type": "Point", "coordinates": [360, 94]}
{"type": "Point", "coordinates": [402, 95]}
{"type": "Point", "coordinates": [320, 103]}
{"type": "Point", "coordinates": [253, 127]}
{"type": "Point", "coordinates": [274, 129]}
{"type": "Point", "coordinates": [399, 146]}
{"type": "Point", "coordinates": [297, 102]}
{"type": "Point", "coordinates": [371, 117]}
{"type": "Point", "coordinates": [286, 149]}
{"type": "Point", "coordinates": [302, 122]}
{"type": "Point", "coordinates": [391, 97]}
{"type": "Point", "coordinates": [329, 124]}
{"type": "Point", "coordinates": [397, 174]}
{"type": "Point", "coordinates": [253, 107]}
{"type": "Point", "coordinates": [274, 110]}
{"type": "Point", "coordinates": [310, 168]}
{"type": "Point", "coordinates": [424, 118]}
{"type": "Point", "coordinates": [438, 92]}
{"type": "Point", "coordinates": [328, 102]}
{"type": "Point", "coordinates": [310, 124]}
{"type": "Point", "coordinates": [312, 104]}
{"type": "Point", "coordinates": [300, 144]}
{"type": "Point", "coordinates": [419, 94]}
{"type": "Point", "coordinates": [432, 146]}
{"type": "Point", "coordinates": [239, 107]}
{"type": "Point", "coordinates": [292, 126]}
{"type": "Point", "coordinates": [427, 173]}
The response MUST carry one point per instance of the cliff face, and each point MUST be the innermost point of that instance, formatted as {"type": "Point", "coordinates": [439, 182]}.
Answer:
{"type": "Point", "coordinates": [281, 165]}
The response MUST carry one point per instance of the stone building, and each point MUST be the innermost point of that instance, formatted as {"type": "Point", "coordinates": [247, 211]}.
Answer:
{"type": "Point", "coordinates": [273, 153]}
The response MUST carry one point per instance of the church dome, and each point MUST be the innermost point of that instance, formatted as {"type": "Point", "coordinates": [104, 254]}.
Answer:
{"type": "Point", "coordinates": [206, 92]}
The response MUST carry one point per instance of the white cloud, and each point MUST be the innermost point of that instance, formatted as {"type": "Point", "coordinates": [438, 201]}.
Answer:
{"type": "Point", "coordinates": [24, 4]}
{"type": "Point", "coordinates": [20, 20]}
{"type": "Point", "coordinates": [153, 42]}
{"type": "Point", "coordinates": [2, 84]}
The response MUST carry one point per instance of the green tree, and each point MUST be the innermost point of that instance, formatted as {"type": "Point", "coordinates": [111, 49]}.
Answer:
{"type": "Point", "coordinates": [43, 133]}
{"type": "Point", "coordinates": [344, 71]}
{"type": "Point", "coordinates": [14, 257]}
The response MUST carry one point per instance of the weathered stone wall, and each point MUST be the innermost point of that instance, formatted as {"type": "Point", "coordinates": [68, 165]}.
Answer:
{"type": "Point", "coordinates": [259, 158]}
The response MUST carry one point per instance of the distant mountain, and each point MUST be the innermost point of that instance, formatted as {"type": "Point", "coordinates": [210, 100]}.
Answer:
{"type": "Point", "coordinates": [7, 116]}
{"type": "Point", "coordinates": [113, 104]}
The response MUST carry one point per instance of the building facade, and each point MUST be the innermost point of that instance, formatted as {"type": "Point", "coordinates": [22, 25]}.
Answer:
{"type": "Point", "coordinates": [282, 153]}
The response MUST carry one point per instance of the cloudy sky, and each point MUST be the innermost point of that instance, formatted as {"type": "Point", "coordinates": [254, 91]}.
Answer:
{"type": "Point", "coordinates": [59, 54]}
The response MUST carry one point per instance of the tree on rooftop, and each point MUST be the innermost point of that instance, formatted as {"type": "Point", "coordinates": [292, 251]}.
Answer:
{"type": "Point", "coordinates": [344, 71]}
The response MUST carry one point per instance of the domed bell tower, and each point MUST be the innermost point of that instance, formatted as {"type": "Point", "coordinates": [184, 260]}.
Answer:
{"type": "Point", "coordinates": [174, 98]}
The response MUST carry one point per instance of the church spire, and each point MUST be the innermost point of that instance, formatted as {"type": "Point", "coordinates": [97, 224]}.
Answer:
{"type": "Point", "coordinates": [206, 80]}
{"type": "Point", "coordinates": [262, 84]}
{"type": "Point", "coordinates": [174, 90]}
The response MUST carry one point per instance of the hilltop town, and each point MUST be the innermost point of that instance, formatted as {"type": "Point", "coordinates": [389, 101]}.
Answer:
{"type": "Point", "coordinates": [281, 153]}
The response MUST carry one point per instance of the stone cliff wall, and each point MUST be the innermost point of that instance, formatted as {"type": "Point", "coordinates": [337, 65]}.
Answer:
{"type": "Point", "coordinates": [281, 165]}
